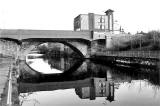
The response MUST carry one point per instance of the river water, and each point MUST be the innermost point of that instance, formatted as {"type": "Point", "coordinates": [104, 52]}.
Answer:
{"type": "Point", "coordinates": [73, 82]}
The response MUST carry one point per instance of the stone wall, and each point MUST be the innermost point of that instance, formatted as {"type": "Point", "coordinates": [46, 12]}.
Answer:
{"type": "Point", "coordinates": [8, 48]}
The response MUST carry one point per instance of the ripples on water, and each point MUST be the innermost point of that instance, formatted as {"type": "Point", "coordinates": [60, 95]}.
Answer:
{"type": "Point", "coordinates": [67, 82]}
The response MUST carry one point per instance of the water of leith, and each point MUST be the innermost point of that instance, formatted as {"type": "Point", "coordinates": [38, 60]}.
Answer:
{"type": "Point", "coordinates": [68, 82]}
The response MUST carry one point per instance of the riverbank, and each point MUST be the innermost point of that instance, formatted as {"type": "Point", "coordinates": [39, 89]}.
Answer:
{"type": "Point", "coordinates": [125, 62]}
{"type": "Point", "coordinates": [8, 82]}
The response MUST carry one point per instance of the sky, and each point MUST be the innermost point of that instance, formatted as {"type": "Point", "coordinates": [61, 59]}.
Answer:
{"type": "Point", "coordinates": [132, 15]}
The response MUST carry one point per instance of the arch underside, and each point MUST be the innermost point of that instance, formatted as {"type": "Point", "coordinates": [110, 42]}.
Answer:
{"type": "Point", "coordinates": [67, 42]}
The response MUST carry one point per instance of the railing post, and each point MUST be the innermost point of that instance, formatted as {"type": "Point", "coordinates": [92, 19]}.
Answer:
{"type": "Point", "coordinates": [150, 54]}
{"type": "Point", "coordinates": [9, 93]}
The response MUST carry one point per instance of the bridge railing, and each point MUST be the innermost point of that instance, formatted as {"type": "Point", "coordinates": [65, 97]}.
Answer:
{"type": "Point", "coordinates": [140, 54]}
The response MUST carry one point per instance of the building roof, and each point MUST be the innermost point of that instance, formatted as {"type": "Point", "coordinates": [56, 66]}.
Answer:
{"type": "Point", "coordinates": [108, 11]}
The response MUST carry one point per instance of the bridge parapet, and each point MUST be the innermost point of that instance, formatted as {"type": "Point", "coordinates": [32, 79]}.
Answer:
{"type": "Point", "coordinates": [27, 34]}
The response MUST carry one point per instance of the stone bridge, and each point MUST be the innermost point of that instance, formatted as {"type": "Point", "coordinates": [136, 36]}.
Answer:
{"type": "Point", "coordinates": [79, 41]}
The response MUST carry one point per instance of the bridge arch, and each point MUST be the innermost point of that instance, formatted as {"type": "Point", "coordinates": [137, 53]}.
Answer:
{"type": "Point", "coordinates": [80, 46]}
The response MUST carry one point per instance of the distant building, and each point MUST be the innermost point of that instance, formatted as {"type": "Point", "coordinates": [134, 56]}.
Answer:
{"type": "Point", "coordinates": [95, 22]}
{"type": "Point", "coordinates": [103, 27]}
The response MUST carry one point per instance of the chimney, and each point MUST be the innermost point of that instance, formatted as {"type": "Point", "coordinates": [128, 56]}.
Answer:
{"type": "Point", "coordinates": [109, 13]}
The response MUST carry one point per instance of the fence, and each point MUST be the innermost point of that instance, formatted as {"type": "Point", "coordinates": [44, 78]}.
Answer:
{"type": "Point", "coordinates": [138, 54]}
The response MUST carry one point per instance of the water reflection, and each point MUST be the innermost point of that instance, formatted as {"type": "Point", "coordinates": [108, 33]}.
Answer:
{"type": "Point", "coordinates": [100, 88]}
{"type": "Point", "coordinates": [56, 65]}
{"type": "Point", "coordinates": [89, 83]}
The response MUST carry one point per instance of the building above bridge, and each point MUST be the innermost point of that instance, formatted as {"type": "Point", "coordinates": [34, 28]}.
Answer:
{"type": "Point", "coordinates": [97, 22]}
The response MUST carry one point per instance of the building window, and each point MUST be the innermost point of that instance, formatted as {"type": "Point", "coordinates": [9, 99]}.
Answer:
{"type": "Point", "coordinates": [101, 27]}
{"type": "Point", "coordinates": [101, 20]}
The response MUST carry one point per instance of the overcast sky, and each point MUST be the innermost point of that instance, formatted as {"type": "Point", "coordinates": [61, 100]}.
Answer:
{"type": "Point", "coordinates": [133, 15]}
